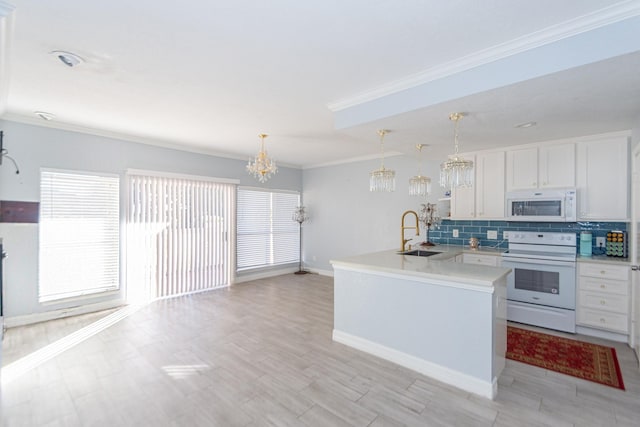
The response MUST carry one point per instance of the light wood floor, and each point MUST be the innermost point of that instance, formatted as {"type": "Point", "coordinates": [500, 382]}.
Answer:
{"type": "Point", "coordinates": [261, 353]}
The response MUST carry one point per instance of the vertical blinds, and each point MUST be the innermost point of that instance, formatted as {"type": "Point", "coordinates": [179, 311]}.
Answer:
{"type": "Point", "coordinates": [266, 234]}
{"type": "Point", "coordinates": [79, 234]}
{"type": "Point", "coordinates": [178, 235]}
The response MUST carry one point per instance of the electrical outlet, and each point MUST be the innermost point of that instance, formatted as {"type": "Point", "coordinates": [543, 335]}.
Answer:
{"type": "Point", "coordinates": [505, 235]}
{"type": "Point", "coordinates": [455, 233]}
{"type": "Point", "coordinates": [492, 234]}
{"type": "Point", "coordinates": [600, 242]}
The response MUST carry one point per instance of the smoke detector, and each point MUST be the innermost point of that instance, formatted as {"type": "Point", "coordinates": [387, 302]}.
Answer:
{"type": "Point", "coordinates": [67, 58]}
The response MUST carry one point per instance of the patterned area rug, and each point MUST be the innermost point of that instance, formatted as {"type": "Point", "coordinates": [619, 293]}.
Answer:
{"type": "Point", "coordinates": [577, 358]}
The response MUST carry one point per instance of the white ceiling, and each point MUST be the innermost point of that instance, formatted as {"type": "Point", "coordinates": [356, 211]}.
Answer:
{"type": "Point", "coordinates": [210, 76]}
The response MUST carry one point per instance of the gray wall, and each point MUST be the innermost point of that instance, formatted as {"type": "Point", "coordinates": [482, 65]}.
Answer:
{"type": "Point", "coordinates": [347, 219]}
{"type": "Point", "coordinates": [37, 147]}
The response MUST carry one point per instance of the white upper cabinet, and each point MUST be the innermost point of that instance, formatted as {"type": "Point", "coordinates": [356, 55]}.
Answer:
{"type": "Point", "coordinates": [522, 169]}
{"type": "Point", "coordinates": [463, 202]}
{"type": "Point", "coordinates": [490, 175]}
{"type": "Point", "coordinates": [557, 166]}
{"type": "Point", "coordinates": [485, 200]}
{"type": "Point", "coordinates": [546, 166]}
{"type": "Point", "coordinates": [603, 179]}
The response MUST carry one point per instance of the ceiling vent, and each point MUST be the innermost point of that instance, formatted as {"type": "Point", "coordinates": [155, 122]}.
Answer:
{"type": "Point", "coordinates": [67, 58]}
{"type": "Point", "coordinates": [44, 115]}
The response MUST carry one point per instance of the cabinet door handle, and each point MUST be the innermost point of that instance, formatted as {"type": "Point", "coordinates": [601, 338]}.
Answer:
{"type": "Point", "coordinates": [602, 272]}
{"type": "Point", "coordinates": [603, 287]}
{"type": "Point", "coordinates": [603, 302]}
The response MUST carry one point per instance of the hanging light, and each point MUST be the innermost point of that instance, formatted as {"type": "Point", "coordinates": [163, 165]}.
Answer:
{"type": "Point", "coordinates": [382, 179]}
{"type": "Point", "coordinates": [419, 185]}
{"type": "Point", "coordinates": [456, 172]}
{"type": "Point", "coordinates": [262, 166]}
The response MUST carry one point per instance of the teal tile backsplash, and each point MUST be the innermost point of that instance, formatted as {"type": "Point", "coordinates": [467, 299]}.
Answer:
{"type": "Point", "coordinates": [468, 229]}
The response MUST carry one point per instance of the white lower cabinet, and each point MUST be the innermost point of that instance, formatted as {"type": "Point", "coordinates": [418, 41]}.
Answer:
{"type": "Point", "coordinates": [479, 259]}
{"type": "Point", "coordinates": [603, 296]}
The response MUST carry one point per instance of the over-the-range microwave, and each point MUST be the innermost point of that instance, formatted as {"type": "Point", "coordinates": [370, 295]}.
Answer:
{"type": "Point", "coordinates": [549, 205]}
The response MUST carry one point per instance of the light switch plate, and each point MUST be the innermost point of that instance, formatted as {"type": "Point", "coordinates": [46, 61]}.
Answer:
{"type": "Point", "coordinates": [492, 234]}
{"type": "Point", "coordinates": [505, 235]}
{"type": "Point", "coordinates": [600, 242]}
{"type": "Point", "coordinates": [455, 233]}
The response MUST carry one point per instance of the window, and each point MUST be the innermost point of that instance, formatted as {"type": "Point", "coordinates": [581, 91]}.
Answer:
{"type": "Point", "coordinates": [267, 235]}
{"type": "Point", "coordinates": [79, 234]}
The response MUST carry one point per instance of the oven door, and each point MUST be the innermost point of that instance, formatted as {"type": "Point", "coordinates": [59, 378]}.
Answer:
{"type": "Point", "coordinates": [543, 282]}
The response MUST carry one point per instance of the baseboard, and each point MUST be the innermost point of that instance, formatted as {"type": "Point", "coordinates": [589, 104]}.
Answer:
{"type": "Point", "coordinates": [433, 370]}
{"type": "Point", "coordinates": [612, 336]}
{"type": "Point", "coordinates": [264, 274]}
{"type": "Point", "coordinates": [328, 273]}
{"type": "Point", "coordinates": [28, 319]}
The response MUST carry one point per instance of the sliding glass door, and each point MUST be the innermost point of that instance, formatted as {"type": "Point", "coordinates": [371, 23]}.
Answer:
{"type": "Point", "coordinates": [179, 235]}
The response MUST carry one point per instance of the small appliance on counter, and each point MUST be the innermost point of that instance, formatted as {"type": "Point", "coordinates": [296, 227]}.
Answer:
{"type": "Point", "coordinates": [586, 239]}
{"type": "Point", "coordinates": [474, 243]}
{"type": "Point", "coordinates": [617, 244]}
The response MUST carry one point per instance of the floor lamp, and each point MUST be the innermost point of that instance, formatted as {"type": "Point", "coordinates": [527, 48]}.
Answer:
{"type": "Point", "coordinates": [300, 216]}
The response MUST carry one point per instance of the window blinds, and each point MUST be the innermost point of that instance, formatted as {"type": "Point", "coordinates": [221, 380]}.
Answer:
{"type": "Point", "coordinates": [79, 234]}
{"type": "Point", "coordinates": [267, 234]}
{"type": "Point", "coordinates": [178, 235]}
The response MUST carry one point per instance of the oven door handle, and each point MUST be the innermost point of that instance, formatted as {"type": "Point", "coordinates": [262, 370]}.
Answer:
{"type": "Point", "coordinates": [507, 260]}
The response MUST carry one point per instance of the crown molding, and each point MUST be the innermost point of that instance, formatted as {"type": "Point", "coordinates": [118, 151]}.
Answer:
{"type": "Point", "coordinates": [6, 31]}
{"type": "Point", "coordinates": [582, 24]}
{"type": "Point", "coordinates": [54, 124]}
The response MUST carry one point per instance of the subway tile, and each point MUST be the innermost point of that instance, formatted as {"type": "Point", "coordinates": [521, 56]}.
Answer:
{"type": "Point", "coordinates": [470, 229]}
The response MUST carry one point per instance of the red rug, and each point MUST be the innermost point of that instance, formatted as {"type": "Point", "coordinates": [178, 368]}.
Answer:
{"type": "Point", "coordinates": [580, 359]}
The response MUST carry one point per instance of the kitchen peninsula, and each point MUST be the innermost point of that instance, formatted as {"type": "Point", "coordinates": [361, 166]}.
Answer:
{"type": "Point", "coordinates": [444, 319]}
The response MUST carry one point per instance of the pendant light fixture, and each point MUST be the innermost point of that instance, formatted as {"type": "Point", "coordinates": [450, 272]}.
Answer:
{"type": "Point", "coordinates": [262, 167]}
{"type": "Point", "coordinates": [456, 172]}
{"type": "Point", "coordinates": [419, 185]}
{"type": "Point", "coordinates": [382, 179]}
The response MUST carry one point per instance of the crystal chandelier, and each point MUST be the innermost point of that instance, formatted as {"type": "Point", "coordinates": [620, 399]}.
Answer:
{"type": "Point", "coordinates": [382, 179]}
{"type": "Point", "coordinates": [262, 166]}
{"type": "Point", "coordinates": [456, 172]}
{"type": "Point", "coordinates": [419, 185]}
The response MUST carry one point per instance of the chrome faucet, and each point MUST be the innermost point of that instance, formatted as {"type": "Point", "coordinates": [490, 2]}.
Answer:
{"type": "Point", "coordinates": [404, 227]}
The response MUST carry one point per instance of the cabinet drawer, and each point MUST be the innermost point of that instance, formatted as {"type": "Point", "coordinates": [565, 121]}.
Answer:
{"type": "Point", "coordinates": [603, 285]}
{"type": "Point", "coordinates": [603, 320]}
{"type": "Point", "coordinates": [480, 259]}
{"type": "Point", "coordinates": [607, 302]}
{"type": "Point", "coordinates": [616, 272]}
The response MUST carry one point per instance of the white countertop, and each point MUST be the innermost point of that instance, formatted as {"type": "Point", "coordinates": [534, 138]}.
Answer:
{"type": "Point", "coordinates": [436, 267]}
{"type": "Point", "coordinates": [603, 259]}
{"type": "Point", "coordinates": [458, 249]}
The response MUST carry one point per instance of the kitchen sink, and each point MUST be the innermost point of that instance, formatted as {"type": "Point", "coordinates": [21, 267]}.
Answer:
{"type": "Point", "coordinates": [419, 252]}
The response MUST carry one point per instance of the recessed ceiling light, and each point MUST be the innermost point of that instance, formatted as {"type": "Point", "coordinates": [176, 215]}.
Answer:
{"type": "Point", "coordinates": [67, 58]}
{"type": "Point", "coordinates": [44, 115]}
{"type": "Point", "coordinates": [526, 125]}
